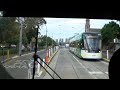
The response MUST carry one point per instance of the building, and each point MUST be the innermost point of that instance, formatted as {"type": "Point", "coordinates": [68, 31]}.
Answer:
{"type": "Point", "coordinates": [87, 25]}
{"type": "Point", "coordinates": [66, 40]}
{"type": "Point", "coordinates": [61, 41]}
{"type": "Point", "coordinates": [88, 29]}
{"type": "Point", "coordinates": [95, 29]}
{"type": "Point", "coordinates": [57, 41]}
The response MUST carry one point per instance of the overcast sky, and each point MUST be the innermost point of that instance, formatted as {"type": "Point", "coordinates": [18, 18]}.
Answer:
{"type": "Point", "coordinates": [67, 27]}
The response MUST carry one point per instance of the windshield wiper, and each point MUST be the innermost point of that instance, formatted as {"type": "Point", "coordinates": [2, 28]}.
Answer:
{"type": "Point", "coordinates": [36, 58]}
{"type": "Point", "coordinates": [47, 66]}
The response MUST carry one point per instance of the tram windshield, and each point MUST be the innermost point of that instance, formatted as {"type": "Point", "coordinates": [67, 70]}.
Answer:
{"type": "Point", "coordinates": [93, 42]}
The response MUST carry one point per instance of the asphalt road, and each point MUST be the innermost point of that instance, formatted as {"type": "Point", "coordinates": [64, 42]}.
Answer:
{"type": "Point", "coordinates": [68, 66]}
{"type": "Point", "coordinates": [18, 66]}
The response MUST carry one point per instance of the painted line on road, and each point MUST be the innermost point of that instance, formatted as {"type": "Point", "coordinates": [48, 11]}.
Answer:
{"type": "Point", "coordinates": [52, 56]}
{"type": "Point", "coordinates": [106, 72]}
{"type": "Point", "coordinates": [15, 57]}
{"type": "Point", "coordinates": [96, 73]}
{"type": "Point", "coordinates": [84, 67]}
{"type": "Point", "coordinates": [80, 63]}
{"type": "Point", "coordinates": [45, 66]}
{"type": "Point", "coordinates": [27, 54]}
{"type": "Point", "coordinates": [39, 74]}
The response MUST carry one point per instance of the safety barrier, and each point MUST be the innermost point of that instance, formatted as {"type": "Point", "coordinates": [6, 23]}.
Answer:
{"type": "Point", "coordinates": [49, 54]}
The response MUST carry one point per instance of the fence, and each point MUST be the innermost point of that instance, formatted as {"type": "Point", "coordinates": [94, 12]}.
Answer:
{"type": "Point", "coordinates": [107, 54]}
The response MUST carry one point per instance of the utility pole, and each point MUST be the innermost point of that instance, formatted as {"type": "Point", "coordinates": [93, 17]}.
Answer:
{"type": "Point", "coordinates": [46, 36]}
{"type": "Point", "coordinates": [52, 39]}
{"type": "Point", "coordinates": [46, 59]}
{"type": "Point", "coordinates": [20, 41]}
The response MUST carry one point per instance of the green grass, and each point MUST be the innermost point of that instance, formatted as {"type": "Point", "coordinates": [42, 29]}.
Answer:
{"type": "Point", "coordinates": [106, 60]}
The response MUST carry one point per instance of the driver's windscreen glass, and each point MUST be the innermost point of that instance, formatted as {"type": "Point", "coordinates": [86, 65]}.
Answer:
{"type": "Point", "coordinates": [75, 48]}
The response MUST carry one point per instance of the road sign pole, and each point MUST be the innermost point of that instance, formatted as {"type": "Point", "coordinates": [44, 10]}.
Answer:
{"type": "Point", "coordinates": [107, 54]}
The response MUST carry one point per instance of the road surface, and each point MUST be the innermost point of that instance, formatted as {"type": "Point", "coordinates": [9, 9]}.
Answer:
{"type": "Point", "coordinates": [68, 66]}
{"type": "Point", "coordinates": [18, 66]}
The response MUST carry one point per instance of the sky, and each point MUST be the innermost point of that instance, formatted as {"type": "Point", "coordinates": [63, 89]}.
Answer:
{"type": "Point", "coordinates": [67, 27]}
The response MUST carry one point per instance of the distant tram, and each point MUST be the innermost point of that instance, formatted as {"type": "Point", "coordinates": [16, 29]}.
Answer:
{"type": "Point", "coordinates": [86, 45]}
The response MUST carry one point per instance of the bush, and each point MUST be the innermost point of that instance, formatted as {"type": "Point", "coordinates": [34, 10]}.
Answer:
{"type": "Point", "coordinates": [12, 51]}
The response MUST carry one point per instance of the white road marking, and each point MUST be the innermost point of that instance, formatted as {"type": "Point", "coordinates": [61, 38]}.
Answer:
{"type": "Point", "coordinates": [80, 63]}
{"type": "Point", "coordinates": [106, 72]}
{"type": "Point", "coordinates": [84, 67]}
{"type": "Point", "coordinates": [15, 56]}
{"type": "Point", "coordinates": [27, 54]}
{"type": "Point", "coordinates": [96, 73]}
{"type": "Point", "coordinates": [40, 73]}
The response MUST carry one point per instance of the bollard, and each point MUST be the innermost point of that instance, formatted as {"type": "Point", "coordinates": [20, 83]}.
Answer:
{"type": "Point", "coordinates": [29, 70]}
{"type": "Point", "coordinates": [46, 59]}
{"type": "Point", "coordinates": [3, 54]}
{"type": "Point", "coordinates": [43, 64]}
{"type": "Point", "coordinates": [49, 53]}
{"type": "Point", "coordinates": [107, 54]}
{"type": "Point", "coordinates": [38, 66]}
{"type": "Point", "coordinates": [8, 54]}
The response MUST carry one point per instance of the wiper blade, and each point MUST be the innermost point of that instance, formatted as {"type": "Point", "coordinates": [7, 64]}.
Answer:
{"type": "Point", "coordinates": [47, 66]}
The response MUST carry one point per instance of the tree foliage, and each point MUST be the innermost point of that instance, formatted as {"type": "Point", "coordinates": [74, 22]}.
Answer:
{"type": "Point", "coordinates": [10, 29]}
{"type": "Point", "coordinates": [109, 32]}
{"type": "Point", "coordinates": [42, 41]}
{"type": "Point", "coordinates": [30, 26]}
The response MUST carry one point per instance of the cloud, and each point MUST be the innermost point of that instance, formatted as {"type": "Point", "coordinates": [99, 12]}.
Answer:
{"type": "Point", "coordinates": [67, 27]}
{"type": "Point", "coordinates": [99, 23]}
{"type": "Point", "coordinates": [75, 21]}
{"type": "Point", "coordinates": [63, 21]}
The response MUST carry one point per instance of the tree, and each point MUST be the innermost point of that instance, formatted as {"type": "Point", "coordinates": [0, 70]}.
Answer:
{"type": "Point", "coordinates": [9, 30]}
{"type": "Point", "coordinates": [43, 41]}
{"type": "Point", "coordinates": [109, 32]}
{"type": "Point", "coordinates": [30, 23]}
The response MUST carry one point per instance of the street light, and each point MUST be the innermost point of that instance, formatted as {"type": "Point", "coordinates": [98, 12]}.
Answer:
{"type": "Point", "coordinates": [46, 59]}
{"type": "Point", "coordinates": [46, 36]}
{"type": "Point", "coordinates": [52, 39]}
